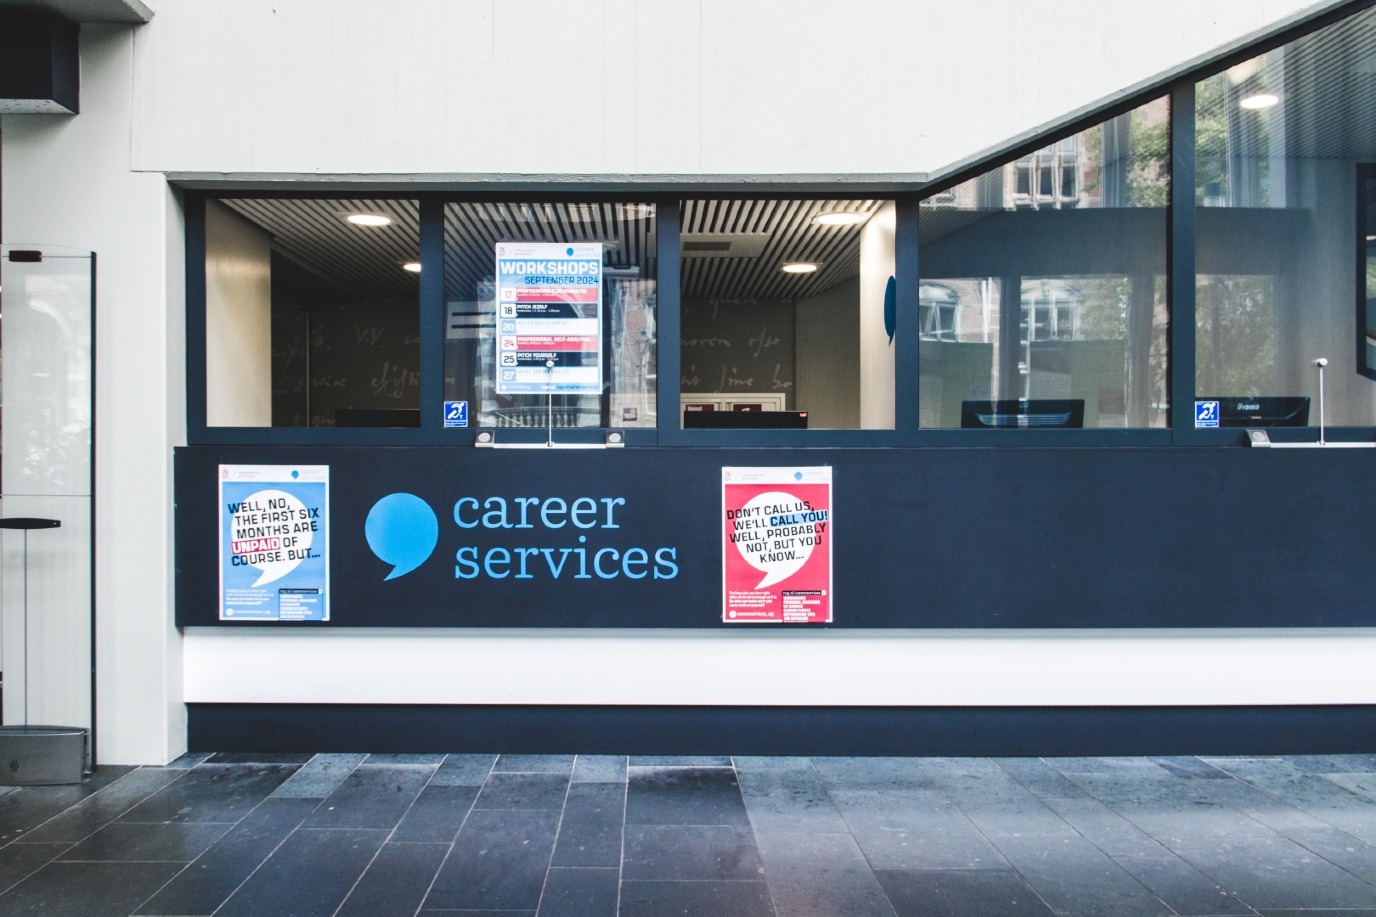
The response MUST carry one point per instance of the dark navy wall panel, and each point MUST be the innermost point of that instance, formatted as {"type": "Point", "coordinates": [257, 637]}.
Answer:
{"type": "Point", "coordinates": [784, 730]}
{"type": "Point", "coordinates": [958, 537]}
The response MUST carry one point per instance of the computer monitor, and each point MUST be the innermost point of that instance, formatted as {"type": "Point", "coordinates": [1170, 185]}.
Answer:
{"type": "Point", "coordinates": [1029, 414]}
{"type": "Point", "coordinates": [1271, 411]}
{"type": "Point", "coordinates": [745, 420]}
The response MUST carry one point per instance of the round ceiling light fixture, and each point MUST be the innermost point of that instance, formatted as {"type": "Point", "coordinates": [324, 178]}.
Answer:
{"type": "Point", "coordinates": [800, 267]}
{"type": "Point", "coordinates": [412, 266]}
{"type": "Point", "coordinates": [840, 218]}
{"type": "Point", "coordinates": [368, 219]}
{"type": "Point", "coordinates": [1260, 101]}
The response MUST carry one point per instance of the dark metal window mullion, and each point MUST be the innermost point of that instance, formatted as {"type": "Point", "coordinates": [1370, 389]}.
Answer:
{"type": "Point", "coordinates": [433, 320]}
{"type": "Point", "coordinates": [194, 207]}
{"type": "Point", "coordinates": [668, 226]}
{"type": "Point", "coordinates": [906, 320]}
{"type": "Point", "coordinates": [1180, 263]}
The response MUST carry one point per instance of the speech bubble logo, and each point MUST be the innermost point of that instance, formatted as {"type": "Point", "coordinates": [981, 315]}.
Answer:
{"type": "Point", "coordinates": [790, 532]}
{"type": "Point", "coordinates": [402, 531]}
{"type": "Point", "coordinates": [265, 533]}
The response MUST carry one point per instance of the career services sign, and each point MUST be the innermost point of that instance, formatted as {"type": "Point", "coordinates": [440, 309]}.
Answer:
{"type": "Point", "coordinates": [776, 550]}
{"type": "Point", "coordinates": [549, 318]}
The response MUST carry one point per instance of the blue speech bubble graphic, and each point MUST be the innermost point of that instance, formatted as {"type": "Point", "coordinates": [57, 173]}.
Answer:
{"type": "Point", "coordinates": [402, 531]}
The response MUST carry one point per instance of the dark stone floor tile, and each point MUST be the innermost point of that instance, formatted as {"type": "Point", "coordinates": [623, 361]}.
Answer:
{"type": "Point", "coordinates": [788, 800]}
{"type": "Point", "coordinates": [599, 769]}
{"type": "Point", "coordinates": [820, 875]}
{"type": "Point", "coordinates": [463, 770]}
{"type": "Point", "coordinates": [309, 875]}
{"type": "Point", "coordinates": [214, 875]}
{"type": "Point", "coordinates": [436, 815]}
{"type": "Point", "coordinates": [960, 893]}
{"type": "Point", "coordinates": [372, 796]}
{"type": "Point", "coordinates": [1041, 779]}
{"type": "Point", "coordinates": [1134, 767]}
{"type": "Point", "coordinates": [179, 842]}
{"type": "Point", "coordinates": [1334, 764]}
{"type": "Point", "coordinates": [695, 899]}
{"type": "Point", "coordinates": [590, 833]}
{"type": "Point", "coordinates": [396, 881]}
{"type": "Point", "coordinates": [680, 761]}
{"type": "Point", "coordinates": [534, 764]}
{"type": "Point", "coordinates": [21, 812]}
{"type": "Point", "coordinates": [1184, 888]}
{"type": "Point", "coordinates": [319, 777]}
{"type": "Point", "coordinates": [690, 852]}
{"type": "Point", "coordinates": [96, 811]}
{"type": "Point", "coordinates": [1189, 768]}
{"type": "Point", "coordinates": [1105, 828]}
{"type": "Point", "coordinates": [212, 793]}
{"type": "Point", "coordinates": [85, 889]}
{"type": "Point", "coordinates": [261, 757]}
{"type": "Point", "coordinates": [18, 861]}
{"type": "Point", "coordinates": [772, 764]}
{"type": "Point", "coordinates": [419, 760]}
{"type": "Point", "coordinates": [872, 773]}
{"type": "Point", "coordinates": [523, 791]}
{"type": "Point", "coordinates": [919, 830]}
{"type": "Point", "coordinates": [1341, 849]}
{"type": "Point", "coordinates": [581, 892]}
{"type": "Point", "coordinates": [190, 760]}
{"type": "Point", "coordinates": [1074, 877]}
{"type": "Point", "coordinates": [684, 796]}
{"type": "Point", "coordinates": [1319, 912]}
{"type": "Point", "coordinates": [498, 861]}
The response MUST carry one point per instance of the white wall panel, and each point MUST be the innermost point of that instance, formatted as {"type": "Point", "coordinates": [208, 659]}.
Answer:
{"type": "Point", "coordinates": [987, 668]}
{"type": "Point", "coordinates": [615, 87]}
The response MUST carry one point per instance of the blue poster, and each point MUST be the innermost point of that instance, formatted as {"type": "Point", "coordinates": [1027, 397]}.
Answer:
{"type": "Point", "coordinates": [274, 543]}
{"type": "Point", "coordinates": [549, 302]}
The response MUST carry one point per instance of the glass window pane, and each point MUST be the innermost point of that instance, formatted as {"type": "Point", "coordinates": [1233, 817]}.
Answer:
{"type": "Point", "coordinates": [1281, 140]}
{"type": "Point", "coordinates": [774, 297]}
{"type": "Point", "coordinates": [1083, 267]}
{"type": "Point", "coordinates": [623, 316]}
{"type": "Point", "coordinates": [312, 315]}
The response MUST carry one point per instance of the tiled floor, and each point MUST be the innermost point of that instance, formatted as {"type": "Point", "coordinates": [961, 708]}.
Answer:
{"type": "Point", "coordinates": [562, 835]}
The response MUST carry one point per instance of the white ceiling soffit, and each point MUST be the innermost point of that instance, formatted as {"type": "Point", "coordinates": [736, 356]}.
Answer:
{"type": "Point", "coordinates": [133, 12]}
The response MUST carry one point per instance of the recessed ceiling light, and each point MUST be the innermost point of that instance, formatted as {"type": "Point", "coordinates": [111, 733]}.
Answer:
{"type": "Point", "coordinates": [800, 267]}
{"type": "Point", "coordinates": [1259, 101]}
{"type": "Point", "coordinates": [839, 218]}
{"type": "Point", "coordinates": [412, 266]}
{"type": "Point", "coordinates": [368, 219]}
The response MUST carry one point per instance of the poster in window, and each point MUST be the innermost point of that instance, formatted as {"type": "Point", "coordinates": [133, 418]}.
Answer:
{"type": "Point", "coordinates": [274, 543]}
{"type": "Point", "coordinates": [776, 545]}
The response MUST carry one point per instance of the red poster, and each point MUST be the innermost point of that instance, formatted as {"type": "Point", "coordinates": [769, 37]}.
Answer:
{"type": "Point", "coordinates": [776, 545]}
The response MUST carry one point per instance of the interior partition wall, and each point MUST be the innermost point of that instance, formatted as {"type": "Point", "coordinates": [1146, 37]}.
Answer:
{"type": "Point", "coordinates": [1033, 381]}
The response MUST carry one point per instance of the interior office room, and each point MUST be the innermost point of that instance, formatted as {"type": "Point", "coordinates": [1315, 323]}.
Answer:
{"type": "Point", "coordinates": [1077, 347]}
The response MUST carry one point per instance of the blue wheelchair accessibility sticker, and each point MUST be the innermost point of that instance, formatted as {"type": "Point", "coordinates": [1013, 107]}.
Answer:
{"type": "Point", "coordinates": [456, 413]}
{"type": "Point", "coordinates": [1205, 414]}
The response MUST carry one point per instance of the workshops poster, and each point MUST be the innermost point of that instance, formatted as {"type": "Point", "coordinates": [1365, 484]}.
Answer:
{"type": "Point", "coordinates": [274, 543]}
{"type": "Point", "coordinates": [776, 547]}
{"type": "Point", "coordinates": [549, 318]}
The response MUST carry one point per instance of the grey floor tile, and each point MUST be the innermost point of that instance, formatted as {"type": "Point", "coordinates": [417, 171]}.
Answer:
{"type": "Point", "coordinates": [212, 793]}
{"type": "Point", "coordinates": [1276, 873]}
{"type": "Point", "coordinates": [464, 770]}
{"type": "Point", "coordinates": [680, 761]}
{"type": "Point", "coordinates": [918, 830]}
{"type": "Point", "coordinates": [690, 852]}
{"type": "Point", "coordinates": [214, 875]}
{"type": "Point", "coordinates": [372, 796]}
{"type": "Point", "coordinates": [1341, 849]}
{"type": "Point", "coordinates": [599, 769]}
{"type": "Point", "coordinates": [580, 892]}
{"type": "Point", "coordinates": [179, 842]}
{"type": "Point", "coordinates": [872, 773]}
{"type": "Point", "coordinates": [85, 889]}
{"type": "Point", "coordinates": [695, 899]}
{"type": "Point", "coordinates": [590, 833]}
{"type": "Point", "coordinates": [498, 861]}
{"type": "Point", "coordinates": [1041, 779]}
{"type": "Point", "coordinates": [1185, 889]}
{"type": "Point", "coordinates": [261, 757]}
{"type": "Point", "coordinates": [960, 893]}
{"type": "Point", "coordinates": [1075, 878]}
{"type": "Point", "coordinates": [396, 881]}
{"type": "Point", "coordinates": [788, 800]}
{"type": "Point", "coordinates": [432, 760]}
{"type": "Point", "coordinates": [1105, 828]}
{"type": "Point", "coordinates": [1190, 767]}
{"type": "Point", "coordinates": [1334, 764]}
{"type": "Point", "coordinates": [190, 760]}
{"type": "Point", "coordinates": [436, 815]}
{"type": "Point", "coordinates": [309, 875]}
{"type": "Point", "coordinates": [766, 763]}
{"type": "Point", "coordinates": [320, 776]}
{"type": "Point", "coordinates": [21, 812]}
{"type": "Point", "coordinates": [99, 809]}
{"type": "Point", "coordinates": [523, 791]}
{"type": "Point", "coordinates": [534, 764]}
{"type": "Point", "coordinates": [1134, 767]}
{"type": "Point", "coordinates": [820, 875]}
{"type": "Point", "coordinates": [684, 796]}
{"type": "Point", "coordinates": [18, 861]}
